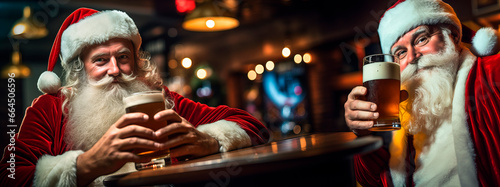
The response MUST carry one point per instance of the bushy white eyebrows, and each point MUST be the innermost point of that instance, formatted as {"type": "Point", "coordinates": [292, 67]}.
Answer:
{"type": "Point", "coordinates": [413, 36]}
{"type": "Point", "coordinates": [124, 50]}
{"type": "Point", "coordinates": [121, 51]}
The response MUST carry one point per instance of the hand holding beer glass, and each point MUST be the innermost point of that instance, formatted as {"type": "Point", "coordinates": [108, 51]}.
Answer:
{"type": "Point", "coordinates": [150, 103]}
{"type": "Point", "coordinates": [381, 77]}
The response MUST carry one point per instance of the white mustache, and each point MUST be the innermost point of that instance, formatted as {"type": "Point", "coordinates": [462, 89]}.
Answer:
{"type": "Point", "coordinates": [425, 62]}
{"type": "Point", "coordinates": [107, 80]}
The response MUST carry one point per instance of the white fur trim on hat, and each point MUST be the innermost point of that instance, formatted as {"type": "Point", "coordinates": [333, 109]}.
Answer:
{"type": "Point", "coordinates": [57, 170]}
{"type": "Point", "coordinates": [229, 134]}
{"type": "Point", "coordinates": [95, 29]}
{"type": "Point", "coordinates": [48, 82]}
{"type": "Point", "coordinates": [486, 42]}
{"type": "Point", "coordinates": [410, 14]}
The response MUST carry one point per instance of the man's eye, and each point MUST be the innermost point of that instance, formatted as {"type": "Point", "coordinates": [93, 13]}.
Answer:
{"type": "Point", "coordinates": [421, 41]}
{"type": "Point", "coordinates": [400, 54]}
{"type": "Point", "coordinates": [123, 57]}
{"type": "Point", "coordinates": [100, 61]}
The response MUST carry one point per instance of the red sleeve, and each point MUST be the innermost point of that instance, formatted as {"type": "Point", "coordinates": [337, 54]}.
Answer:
{"type": "Point", "coordinates": [483, 110]}
{"type": "Point", "coordinates": [372, 169]}
{"type": "Point", "coordinates": [40, 133]}
{"type": "Point", "coordinates": [198, 114]}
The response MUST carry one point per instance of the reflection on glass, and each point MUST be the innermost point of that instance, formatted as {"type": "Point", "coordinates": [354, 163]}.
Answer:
{"type": "Point", "coordinates": [303, 144]}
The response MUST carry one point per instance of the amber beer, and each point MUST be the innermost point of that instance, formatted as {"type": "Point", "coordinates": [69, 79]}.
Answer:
{"type": "Point", "coordinates": [150, 103]}
{"type": "Point", "coordinates": [381, 77]}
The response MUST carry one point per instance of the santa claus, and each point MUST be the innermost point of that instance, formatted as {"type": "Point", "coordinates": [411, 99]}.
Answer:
{"type": "Point", "coordinates": [450, 120]}
{"type": "Point", "coordinates": [76, 134]}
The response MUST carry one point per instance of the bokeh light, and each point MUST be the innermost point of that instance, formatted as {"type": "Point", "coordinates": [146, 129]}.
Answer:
{"type": "Point", "coordinates": [286, 52]}
{"type": "Point", "coordinates": [269, 65]}
{"type": "Point", "coordinates": [297, 58]}
{"type": "Point", "coordinates": [201, 73]}
{"type": "Point", "coordinates": [252, 75]}
{"type": "Point", "coordinates": [307, 58]}
{"type": "Point", "coordinates": [186, 63]}
{"type": "Point", "coordinates": [259, 68]}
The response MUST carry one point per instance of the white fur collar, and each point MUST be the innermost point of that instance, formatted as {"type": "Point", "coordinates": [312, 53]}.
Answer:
{"type": "Point", "coordinates": [448, 160]}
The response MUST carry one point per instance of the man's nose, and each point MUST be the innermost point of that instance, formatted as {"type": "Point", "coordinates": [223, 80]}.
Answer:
{"type": "Point", "coordinates": [413, 55]}
{"type": "Point", "coordinates": [113, 70]}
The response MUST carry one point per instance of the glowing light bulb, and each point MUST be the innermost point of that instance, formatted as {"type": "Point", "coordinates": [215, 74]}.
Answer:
{"type": "Point", "coordinates": [210, 23]}
{"type": "Point", "coordinates": [19, 29]}
{"type": "Point", "coordinates": [286, 52]}
{"type": "Point", "coordinates": [186, 63]}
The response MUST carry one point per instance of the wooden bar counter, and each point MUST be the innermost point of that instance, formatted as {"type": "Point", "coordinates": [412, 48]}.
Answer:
{"type": "Point", "coordinates": [323, 159]}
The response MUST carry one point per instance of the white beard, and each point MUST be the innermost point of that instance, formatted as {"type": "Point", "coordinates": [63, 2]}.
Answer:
{"type": "Point", "coordinates": [430, 90]}
{"type": "Point", "coordinates": [95, 107]}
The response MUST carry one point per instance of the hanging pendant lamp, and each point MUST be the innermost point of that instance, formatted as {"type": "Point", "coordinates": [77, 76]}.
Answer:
{"type": "Point", "coordinates": [210, 16]}
{"type": "Point", "coordinates": [27, 27]}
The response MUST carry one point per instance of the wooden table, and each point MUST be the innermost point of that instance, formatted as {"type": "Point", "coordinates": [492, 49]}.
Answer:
{"type": "Point", "coordinates": [312, 160]}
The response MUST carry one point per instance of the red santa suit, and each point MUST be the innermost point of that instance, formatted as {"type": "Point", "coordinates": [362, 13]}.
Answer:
{"type": "Point", "coordinates": [41, 150]}
{"type": "Point", "coordinates": [476, 138]}
{"type": "Point", "coordinates": [483, 117]}
{"type": "Point", "coordinates": [465, 149]}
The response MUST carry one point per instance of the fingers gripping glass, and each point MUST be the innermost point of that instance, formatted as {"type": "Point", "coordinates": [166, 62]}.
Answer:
{"type": "Point", "coordinates": [381, 77]}
{"type": "Point", "coordinates": [150, 103]}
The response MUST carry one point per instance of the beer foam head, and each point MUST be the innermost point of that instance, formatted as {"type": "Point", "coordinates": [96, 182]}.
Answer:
{"type": "Point", "coordinates": [142, 98]}
{"type": "Point", "coordinates": [381, 70]}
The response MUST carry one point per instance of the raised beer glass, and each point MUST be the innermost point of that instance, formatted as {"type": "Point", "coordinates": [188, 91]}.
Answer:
{"type": "Point", "coordinates": [381, 77]}
{"type": "Point", "coordinates": [150, 103]}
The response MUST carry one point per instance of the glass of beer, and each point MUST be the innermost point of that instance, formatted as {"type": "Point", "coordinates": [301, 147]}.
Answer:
{"type": "Point", "coordinates": [381, 77]}
{"type": "Point", "coordinates": [150, 103]}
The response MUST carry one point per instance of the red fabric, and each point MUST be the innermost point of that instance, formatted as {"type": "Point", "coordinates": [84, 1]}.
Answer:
{"type": "Point", "coordinates": [483, 109]}
{"type": "Point", "coordinates": [74, 17]}
{"type": "Point", "coordinates": [42, 132]}
{"type": "Point", "coordinates": [482, 105]}
{"type": "Point", "coordinates": [372, 169]}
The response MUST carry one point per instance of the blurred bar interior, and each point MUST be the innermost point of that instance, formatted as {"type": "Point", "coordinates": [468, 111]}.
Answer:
{"type": "Point", "coordinates": [290, 63]}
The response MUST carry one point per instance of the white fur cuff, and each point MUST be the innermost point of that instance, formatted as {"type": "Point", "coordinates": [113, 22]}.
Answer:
{"type": "Point", "coordinates": [57, 170]}
{"type": "Point", "coordinates": [229, 134]}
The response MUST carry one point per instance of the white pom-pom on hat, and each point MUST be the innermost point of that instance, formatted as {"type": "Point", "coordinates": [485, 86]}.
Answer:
{"type": "Point", "coordinates": [48, 82]}
{"type": "Point", "coordinates": [486, 42]}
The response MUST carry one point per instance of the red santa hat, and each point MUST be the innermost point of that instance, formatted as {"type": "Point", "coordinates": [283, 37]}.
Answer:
{"type": "Point", "coordinates": [406, 15]}
{"type": "Point", "coordinates": [82, 28]}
